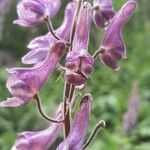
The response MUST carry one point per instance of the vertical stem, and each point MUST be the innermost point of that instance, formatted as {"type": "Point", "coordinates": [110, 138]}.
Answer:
{"type": "Point", "coordinates": [69, 88]}
{"type": "Point", "coordinates": [68, 93]}
{"type": "Point", "coordinates": [67, 118]}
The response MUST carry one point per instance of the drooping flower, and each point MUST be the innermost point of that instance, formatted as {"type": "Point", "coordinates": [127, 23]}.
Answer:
{"type": "Point", "coordinates": [79, 62]}
{"type": "Point", "coordinates": [112, 46]}
{"type": "Point", "coordinates": [33, 12]}
{"type": "Point", "coordinates": [24, 83]}
{"type": "Point", "coordinates": [75, 139]}
{"type": "Point", "coordinates": [41, 45]}
{"type": "Point", "coordinates": [131, 115]}
{"type": "Point", "coordinates": [102, 12]}
{"type": "Point", "coordinates": [79, 65]}
{"type": "Point", "coordinates": [39, 140]}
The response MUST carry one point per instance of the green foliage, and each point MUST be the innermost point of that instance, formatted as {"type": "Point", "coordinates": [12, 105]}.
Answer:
{"type": "Point", "coordinates": [110, 89]}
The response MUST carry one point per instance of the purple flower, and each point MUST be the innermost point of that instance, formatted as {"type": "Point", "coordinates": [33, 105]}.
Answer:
{"type": "Point", "coordinates": [24, 83]}
{"type": "Point", "coordinates": [79, 62]}
{"type": "Point", "coordinates": [75, 139]}
{"type": "Point", "coordinates": [40, 140]}
{"type": "Point", "coordinates": [79, 65]}
{"type": "Point", "coordinates": [112, 46]}
{"type": "Point", "coordinates": [41, 45]}
{"type": "Point", "coordinates": [102, 13]}
{"type": "Point", "coordinates": [33, 12]}
{"type": "Point", "coordinates": [131, 115]}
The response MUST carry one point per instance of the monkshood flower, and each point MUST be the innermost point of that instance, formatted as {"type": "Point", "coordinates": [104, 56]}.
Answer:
{"type": "Point", "coordinates": [33, 12]}
{"type": "Point", "coordinates": [102, 12]}
{"type": "Point", "coordinates": [40, 140]}
{"type": "Point", "coordinates": [131, 115]}
{"type": "Point", "coordinates": [24, 83]}
{"type": "Point", "coordinates": [79, 66]}
{"type": "Point", "coordinates": [112, 47]}
{"type": "Point", "coordinates": [75, 139]}
{"type": "Point", "coordinates": [79, 62]}
{"type": "Point", "coordinates": [41, 45]}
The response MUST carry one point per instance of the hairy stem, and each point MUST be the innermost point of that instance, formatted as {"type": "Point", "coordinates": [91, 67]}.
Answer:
{"type": "Point", "coordinates": [69, 88]}
{"type": "Point", "coordinates": [38, 100]}
{"type": "Point", "coordinates": [100, 125]}
{"type": "Point", "coordinates": [51, 30]}
{"type": "Point", "coordinates": [101, 50]}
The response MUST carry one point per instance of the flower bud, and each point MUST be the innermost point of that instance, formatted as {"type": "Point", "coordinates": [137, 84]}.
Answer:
{"type": "Point", "coordinates": [112, 46]}
{"type": "Point", "coordinates": [24, 83]}
{"type": "Point", "coordinates": [33, 12]}
{"type": "Point", "coordinates": [75, 139]}
{"type": "Point", "coordinates": [102, 12]}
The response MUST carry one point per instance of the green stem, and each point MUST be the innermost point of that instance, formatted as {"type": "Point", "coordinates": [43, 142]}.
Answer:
{"type": "Point", "coordinates": [99, 126]}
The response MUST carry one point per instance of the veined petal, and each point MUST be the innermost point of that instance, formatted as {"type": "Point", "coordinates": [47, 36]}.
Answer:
{"type": "Point", "coordinates": [75, 139]}
{"type": "Point", "coordinates": [81, 37]}
{"type": "Point", "coordinates": [112, 46]}
{"type": "Point", "coordinates": [39, 140]}
{"type": "Point", "coordinates": [24, 83]}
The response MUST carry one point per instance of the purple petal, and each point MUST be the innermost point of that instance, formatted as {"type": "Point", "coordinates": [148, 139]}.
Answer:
{"type": "Point", "coordinates": [56, 5]}
{"type": "Point", "coordinates": [24, 83]}
{"type": "Point", "coordinates": [40, 140]}
{"type": "Point", "coordinates": [81, 37]}
{"type": "Point", "coordinates": [75, 139]}
{"type": "Point", "coordinates": [112, 46]}
{"type": "Point", "coordinates": [103, 12]}
{"type": "Point", "coordinates": [40, 47]}
{"type": "Point", "coordinates": [64, 30]}
{"type": "Point", "coordinates": [13, 102]}
{"type": "Point", "coordinates": [40, 42]}
{"type": "Point", "coordinates": [35, 56]}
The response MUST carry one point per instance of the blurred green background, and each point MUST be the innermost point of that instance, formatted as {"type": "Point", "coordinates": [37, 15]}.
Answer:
{"type": "Point", "coordinates": [111, 90]}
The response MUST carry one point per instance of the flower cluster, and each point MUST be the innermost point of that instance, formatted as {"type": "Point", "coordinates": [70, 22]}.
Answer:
{"type": "Point", "coordinates": [46, 51]}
